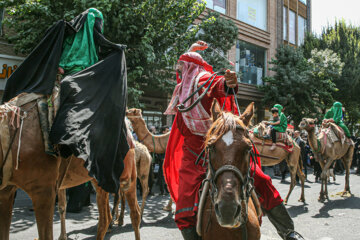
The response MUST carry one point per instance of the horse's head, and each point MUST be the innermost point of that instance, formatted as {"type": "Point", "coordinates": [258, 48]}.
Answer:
{"type": "Point", "coordinates": [308, 124]}
{"type": "Point", "coordinates": [229, 147]}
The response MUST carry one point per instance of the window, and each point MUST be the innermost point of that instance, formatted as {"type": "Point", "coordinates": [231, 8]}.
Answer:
{"type": "Point", "coordinates": [253, 12]}
{"type": "Point", "coordinates": [303, 1]}
{"type": "Point", "coordinates": [292, 27]}
{"type": "Point", "coordinates": [217, 5]}
{"type": "Point", "coordinates": [301, 29]}
{"type": "Point", "coordinates": [285, 25]}
{"type": "Point", "coordinates": [250, 61]}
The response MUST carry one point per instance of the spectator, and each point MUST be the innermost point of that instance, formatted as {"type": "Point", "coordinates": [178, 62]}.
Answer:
{"type": "Point", "coordinates": [299, 141]}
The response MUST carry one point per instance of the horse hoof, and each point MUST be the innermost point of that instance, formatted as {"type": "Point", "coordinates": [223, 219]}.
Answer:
{"type": "Point", "coordinates": [301, 200]}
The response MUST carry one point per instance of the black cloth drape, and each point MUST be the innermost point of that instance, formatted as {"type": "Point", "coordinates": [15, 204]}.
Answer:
{"type": "Point", "coordinates": [90, 121]}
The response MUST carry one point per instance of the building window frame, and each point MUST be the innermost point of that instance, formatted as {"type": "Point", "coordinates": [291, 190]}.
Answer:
{"type": "Point", "coordinates": [207, 2]}
{"type": "Point", "coordinates": [266, 25]}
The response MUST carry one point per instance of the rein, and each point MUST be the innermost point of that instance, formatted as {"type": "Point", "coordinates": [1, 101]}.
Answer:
{"type": "Point", "coordinates": [181, 107]}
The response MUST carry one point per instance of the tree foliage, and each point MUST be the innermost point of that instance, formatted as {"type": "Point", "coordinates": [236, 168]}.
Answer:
{"type": "Point", "coordinates": [302, 86]}
{"type": "Point", "coordinates": [156, 32]}
{"type": "Point", "coordinates": [344, 40]}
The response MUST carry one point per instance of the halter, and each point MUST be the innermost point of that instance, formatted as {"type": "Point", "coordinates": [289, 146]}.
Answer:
{"type": "Point", "coordinates": [246, 181]}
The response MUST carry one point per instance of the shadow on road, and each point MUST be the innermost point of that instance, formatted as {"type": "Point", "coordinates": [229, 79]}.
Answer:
{"type": "Point", "coordinates": [352, 202]}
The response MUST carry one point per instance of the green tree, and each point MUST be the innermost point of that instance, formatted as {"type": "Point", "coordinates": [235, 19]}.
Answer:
{"type": "Point", "coordinates": [303, 87]}
{"type": "Point", "coordinates": [156, 32]}
{"type": "Point", "coordinates": [343, 39]}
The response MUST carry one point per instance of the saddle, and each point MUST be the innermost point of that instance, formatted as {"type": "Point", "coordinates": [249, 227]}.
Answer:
{"type": "Point", "coordinates": [331, 133]}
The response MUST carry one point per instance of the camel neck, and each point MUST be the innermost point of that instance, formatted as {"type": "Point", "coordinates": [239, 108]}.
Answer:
{"type": "Point", "coordinates": [313, 140]}
{"type": "Point", "coordinates": [140, 129]}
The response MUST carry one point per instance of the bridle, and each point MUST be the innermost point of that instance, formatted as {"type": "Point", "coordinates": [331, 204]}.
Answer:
{"type": "Point", "coordinates": [246, 180]}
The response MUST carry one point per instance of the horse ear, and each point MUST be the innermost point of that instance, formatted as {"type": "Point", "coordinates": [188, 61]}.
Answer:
{"type": "Point", "coordinates": [248, 114]}
{"type": "Point", "coordinates": [215, 110]}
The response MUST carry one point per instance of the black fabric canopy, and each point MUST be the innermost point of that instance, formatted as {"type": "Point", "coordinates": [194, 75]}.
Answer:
{"type": "Point", "coordinates": [90, 121]}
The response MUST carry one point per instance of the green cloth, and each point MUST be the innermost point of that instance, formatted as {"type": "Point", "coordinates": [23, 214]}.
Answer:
{"type": "Point", "coordinates": [336, 114]}
{"type": "Point", "coordinates": [79, 50]}
{"type": "Point", "coordinates": [283, 120]}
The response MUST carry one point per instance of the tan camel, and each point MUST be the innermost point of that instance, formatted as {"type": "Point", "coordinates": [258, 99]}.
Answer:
{"type": "Point", "coordinates": [155, 143]}
{"type": "Point", "coordinates": [143, 162]}
{"type": "Point", "coordinates": [292, 159]}
{"type": "Point", "coordinates": [41, 176]}
{"type": "Point", "coordinates": [327, 154]}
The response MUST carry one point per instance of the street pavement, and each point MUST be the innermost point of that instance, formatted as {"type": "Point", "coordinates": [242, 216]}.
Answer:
{"type": "Point", "coordinates": [337, 219]}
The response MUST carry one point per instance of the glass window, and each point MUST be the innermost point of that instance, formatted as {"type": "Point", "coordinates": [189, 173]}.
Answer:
{"type": "Point", "coordinates": [303, 1]}
{"type": "Point", "coordinates": [250, 62]}
{"type": "Point", "coordinates": [253, 12]}
{"type": "Point", "coordinates": [301, 29]}
{"type": "Point", "coordinates": [217, 5]}
{"type": "Point", "coordinates": [292, 27]}
{"type": "Point", "coordinates": [285, 24]}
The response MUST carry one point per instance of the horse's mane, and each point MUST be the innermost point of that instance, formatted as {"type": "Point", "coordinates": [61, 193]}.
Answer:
{"type": "Point", "coordinates": [225, 122]}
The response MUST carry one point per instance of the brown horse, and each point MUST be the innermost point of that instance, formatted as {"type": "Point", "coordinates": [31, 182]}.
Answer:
{"type": "Point", "coordinates": [229, 211]}
{"type": "Point", "coordinates": [41, 175]}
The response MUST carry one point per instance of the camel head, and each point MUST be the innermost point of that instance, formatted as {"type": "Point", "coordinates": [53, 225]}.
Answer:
{"type": "Point", "coordinates": [133, 113]}
{"type": "Point", "coordinates": [308, 124]}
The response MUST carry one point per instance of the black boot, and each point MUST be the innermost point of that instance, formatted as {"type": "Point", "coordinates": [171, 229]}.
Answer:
{"type": "Point", "coordinates": [283, 223]}
{"type": "Point", "coordinates": [190, 234]}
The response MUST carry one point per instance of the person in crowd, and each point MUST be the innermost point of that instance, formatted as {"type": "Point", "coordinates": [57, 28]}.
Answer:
{"type": "Point", "coordinates": [160, 178]}
{"type": "Point", "coordinates": [299, 141]}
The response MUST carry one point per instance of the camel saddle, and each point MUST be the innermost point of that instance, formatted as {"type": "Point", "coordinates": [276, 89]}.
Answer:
{"type": "Point", "coordinates": [330, 132]}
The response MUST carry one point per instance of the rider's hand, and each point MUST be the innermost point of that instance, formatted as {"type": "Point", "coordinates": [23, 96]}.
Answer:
{"type": "Point", "coordinates": [230, 79]}
{"type": "Point", "coordinates": [198, 46]}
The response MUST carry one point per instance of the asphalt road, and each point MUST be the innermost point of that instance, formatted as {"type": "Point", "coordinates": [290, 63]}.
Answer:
{"type": "Point", "coordinates": [337, 219]}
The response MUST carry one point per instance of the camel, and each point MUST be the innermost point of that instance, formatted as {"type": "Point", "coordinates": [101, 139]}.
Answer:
{"type": "Point", "coordinates": [143, 161]}
{"type": "Point", "coordinates": [280, 154]}
{"type": "Point", "coordinates": [155, 143]}
{"type": "Point", "coordinates": [42, 176]}
{"type": "Point", "coordinates": [327, 154]}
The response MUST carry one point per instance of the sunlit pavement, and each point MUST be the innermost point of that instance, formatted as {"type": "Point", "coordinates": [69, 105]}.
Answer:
{"type": "Point", "coordinates": [337, 219]}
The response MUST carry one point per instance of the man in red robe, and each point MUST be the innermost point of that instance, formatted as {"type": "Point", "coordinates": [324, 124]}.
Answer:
{"type": "Point", "coordinates": [186, 141]}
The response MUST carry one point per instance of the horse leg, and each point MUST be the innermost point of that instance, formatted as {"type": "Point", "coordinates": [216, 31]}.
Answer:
{"type": "Point", "coordinates": [102, 200]}
{"type": "Point", "coordinates": [7, 196]}
{"type": "Point", "coordinates": [62, 212]}
{"type": "Point", "coordinates": [145, 191]}
{"type": "Point", "coordinates": [302, 179]}
{"type": "Point", "coordinates": [122, 211]}
{"type": "Point", "coordinates": [43, 198]}
{"type": "Point", "coordinates": [134, 209]}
